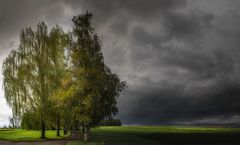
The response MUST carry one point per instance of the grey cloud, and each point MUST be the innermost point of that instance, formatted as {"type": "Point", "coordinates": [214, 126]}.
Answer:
{"type": "Point", "coordinates": [16, 15]}
{"type": "Point", "coordinates": [190, 24]}
{"type": "Point", "coordinates": [160, 43]}
{"type": "Point", "coordinates": [205, 63]}
{"type": "Point", "coordinates": [171, 103]}
{"type": "Point", "coordinates": [140, 8]}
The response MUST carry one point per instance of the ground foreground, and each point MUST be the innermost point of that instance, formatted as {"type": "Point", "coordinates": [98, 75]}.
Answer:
{"type": "Point", "coordinates": [55, 142]}
{"type": "Point", "coordinates": [139, 135]}
{"type": "Point", "coordinates": [27, 135]}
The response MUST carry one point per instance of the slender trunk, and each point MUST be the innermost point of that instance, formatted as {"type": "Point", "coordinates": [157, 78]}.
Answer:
{"type": "Point", "coordinates": [83, 129]}
{"type": "Point", "coordinates": [65, 131]}
{"type": "Point", "coordinates": [86, 134]}
{"type": "Point", "coordinates": [65, 127]}
{"type": "Point", "coordinates": [58, 125]}
{"type": "Point", "coordinates": [43, 130]}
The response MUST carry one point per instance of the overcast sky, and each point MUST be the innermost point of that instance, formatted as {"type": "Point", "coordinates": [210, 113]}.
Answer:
{"type": "Point", "coordinates": [180, 58]}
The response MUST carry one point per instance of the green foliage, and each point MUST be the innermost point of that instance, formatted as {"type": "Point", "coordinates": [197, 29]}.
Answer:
{"type": "Point", "coordinates": [30, 72]}
{"type": "Point", "coordinates": [60, 78]}
{"type": "Point", "coordinates": [97, 87]}
{"type": "Point", "coordinates": [31, 121]}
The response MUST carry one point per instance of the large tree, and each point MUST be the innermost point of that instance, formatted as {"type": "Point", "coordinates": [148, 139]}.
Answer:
{"type": "Point", "coordinates": [30, 71]}
{"type": "Point", "coordinates": [97, 88]}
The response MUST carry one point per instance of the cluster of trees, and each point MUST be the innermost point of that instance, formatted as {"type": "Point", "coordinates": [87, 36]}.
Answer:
{"type": "Point", "coordinates": [60, 78]}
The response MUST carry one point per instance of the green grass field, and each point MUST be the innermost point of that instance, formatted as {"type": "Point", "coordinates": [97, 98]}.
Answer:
{"type": "Point", "coordinates": [142, 135]}
{"type": "Point", "coordinates": [27, 135]}
{"type": "Point", "coordinates": [163, 135]}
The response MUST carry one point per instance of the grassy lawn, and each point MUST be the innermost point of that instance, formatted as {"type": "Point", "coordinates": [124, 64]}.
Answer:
{"type": "Point", "coordinates": [142, 135]}
{"type": "Point", "coordinates": [163, 129]}
{"type": "Point", "coordinates": [166, 135]}
{"type": "Point", "coordinates": [27, 135]}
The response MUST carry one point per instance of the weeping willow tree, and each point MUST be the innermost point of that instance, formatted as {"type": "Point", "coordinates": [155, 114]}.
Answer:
{"type": "Point", "coordinates": [31, 72]}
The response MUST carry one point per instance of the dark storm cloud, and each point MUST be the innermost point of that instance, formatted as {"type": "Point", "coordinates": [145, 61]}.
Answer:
{"type": "Point", "coordinates": [172, 104]}
{"type": "Point", "coordinates": [180, 57]}
{"type": "Point", "coordinates": [140, 8]}
{"type": "Point", "coordinates": [178, 63]}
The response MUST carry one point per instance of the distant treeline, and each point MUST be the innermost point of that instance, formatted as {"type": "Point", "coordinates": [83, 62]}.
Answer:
{"type": "Point", "coordinates": [111, 122]}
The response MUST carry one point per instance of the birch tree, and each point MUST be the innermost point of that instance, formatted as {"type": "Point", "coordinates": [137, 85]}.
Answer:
{"type": "Point", "coordinates": [96, 86]}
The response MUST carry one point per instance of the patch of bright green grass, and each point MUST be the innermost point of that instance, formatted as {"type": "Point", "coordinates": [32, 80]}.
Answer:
{"type": "Point", "coordinates": [165, 129]}
{"type": "Point", "coordinates": [28, 135]}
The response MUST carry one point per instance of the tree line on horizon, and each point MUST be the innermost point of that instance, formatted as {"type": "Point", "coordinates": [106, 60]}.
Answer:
{"type": "Point", "coordinates": [57, 78]}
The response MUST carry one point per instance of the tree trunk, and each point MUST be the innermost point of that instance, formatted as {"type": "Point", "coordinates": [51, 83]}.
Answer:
{"type": "Point", "coordinates": [65, 127]}
{"type": "Point", "coordinates": [58, 126]}
{"type": "Point", "coordinates": [65, 131]}
{"type": "Point", "coordinates": [86, 133]}
{"type": "Point", "coordinates": [43, 130]}
{"type": "Point", "coordinates": [83, 129]}
{"type": "Point", "coordinates": [85, 138]}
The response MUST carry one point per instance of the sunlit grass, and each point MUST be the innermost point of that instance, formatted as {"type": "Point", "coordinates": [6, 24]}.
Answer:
{"type": "Point", "coordinates": [28, 135]}
{"type": "Point", "coordinates": [165, 129]}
